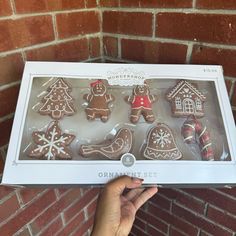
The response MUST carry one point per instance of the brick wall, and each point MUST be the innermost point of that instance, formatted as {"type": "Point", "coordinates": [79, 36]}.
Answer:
{"type": "Point", "coordinates": [149, 31]}
{"type": "Point", "coordinates": [49, 30]}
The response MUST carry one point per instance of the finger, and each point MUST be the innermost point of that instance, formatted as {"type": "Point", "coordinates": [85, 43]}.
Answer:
{"type": "Point", "coordinates": [117, 186]}
{"type": "Point", "coordinates": [133, 193]}
{"type": "Point", "coordinates": [144, 196]}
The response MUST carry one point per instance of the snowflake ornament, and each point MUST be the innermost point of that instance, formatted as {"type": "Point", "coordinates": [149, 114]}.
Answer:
{"type": "Point", "coordinates": [162, 138]}
{"type": "Point", "coordinates": [51, 145]}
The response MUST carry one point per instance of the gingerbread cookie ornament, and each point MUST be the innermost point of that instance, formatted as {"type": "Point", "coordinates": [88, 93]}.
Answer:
{"type": "Point", "coordinates": [186, 100]}
{"type": "Point", "coordinates": [161, 144]}
{"type": "Point", "coordinates": [112, 149]}
{"type": "Point", "coordinates": [52, 144]}
{"type": "Point", "coordinates": [58, 101]}
{"type": "Point", "coordinates": [98, 102]}
{"type": "Point", "coordinates": [141, 104]}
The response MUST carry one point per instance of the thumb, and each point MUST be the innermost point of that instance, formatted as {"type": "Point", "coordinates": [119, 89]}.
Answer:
{"type": "Point", "coordinates": [117, 186]}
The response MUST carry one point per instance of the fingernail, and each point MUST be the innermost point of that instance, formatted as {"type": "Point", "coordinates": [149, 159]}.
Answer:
{"type": "Point", "coordinates": [137, 180]}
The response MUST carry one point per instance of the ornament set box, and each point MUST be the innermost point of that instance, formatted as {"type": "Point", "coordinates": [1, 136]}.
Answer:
{"type": "Point", "coordinates": [87, 123]}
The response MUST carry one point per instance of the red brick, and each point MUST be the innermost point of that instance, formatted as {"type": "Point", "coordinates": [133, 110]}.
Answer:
{"type": "Point", "coordinates": [199, 221]}
{"type": "Point", "coordinates": [110, 46]}
{"type": "Point", "coordinates": [5, 8]}
{"type": "Point", "coordinates": [11, 68]}
{"type": "Point", "coordinates": [8, 100]}
{"type": "Point", "coordinates": [71, 211]}
{"type": "Point", "coordinates": [25, 32]}
{"type": "Point", "coordinates": [94, 47]}
{"type": "Point", "coordinates": [28, 213]}
{"type": "Point", "coordinates": [54, 210]}
{"type": "Point", "coordinates": [72, 225]}
{"type": "Point", "coordinates": [222, 218]}
{"type": "Point", "coordinates": [156, 3]}
{"type": "Point", "coordinates": [70, 51]}
{"type": "Point", "coordinates": [153, 52]}
{"type": "Point", "coordinates": [224, 57]}
{"type": "Point", "coordinates": [84, 227]}
{"type": "Point", "coordinates": [233, 99]}
{"type": "Point", "coordinates": [176, 221]}
{"type": "Point", "coordinates": [91, 3]}
{"type": "Point", "coordinates": [27, 194]}
{"type": "Point", "coordinates": [214, 28]}
{"type": "Point", "coordinates": [53, 228]}
{"type": "Point", "coordinates": [8, 207]}
{"type": "Point", "coordinates": [31, 6]}
{"type": "Point", "coordinates": [4, 191]}
{"type": "Point", "coordinates": [109, 3]}
{"type": "Point", "coordinates": [152, 219]}
{"type": "Point", "coordinates": [127, 23]}
{"type": "Point", "coordinates": [77, 23]}
{"type": "Point", "coordinates": [186, 200]}
{"type": "Point", "coordinates": [175, 232]}
{"type": "Point", "coordinates": [214, 198]}
{"type": "Point", "coordinates": [160, 201]}
{"type": "Point", "coordinates": [216, 4]}
{"type": "Point", "coordinates": [5, 128]}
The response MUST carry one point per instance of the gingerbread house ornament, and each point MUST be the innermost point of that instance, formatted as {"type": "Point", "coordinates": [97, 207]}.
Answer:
{"type": "Point", "coordinates": [186, 100]}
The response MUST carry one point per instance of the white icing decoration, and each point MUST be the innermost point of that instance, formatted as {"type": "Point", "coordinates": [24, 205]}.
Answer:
{"type": "Point", "coordinates": [50, 144]}
{"type": "Point", "coordinates": [161, 138]}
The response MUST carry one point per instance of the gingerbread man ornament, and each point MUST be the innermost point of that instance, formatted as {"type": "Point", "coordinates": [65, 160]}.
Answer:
{"type": "Point", "coordinates": [141, 104]}
{"type": "Point", "coordinates": [98, 102]}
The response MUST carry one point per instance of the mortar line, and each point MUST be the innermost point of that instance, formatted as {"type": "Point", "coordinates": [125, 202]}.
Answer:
{"type": "Point", "coordinates": [189, 53]}
{"type": "Point", "coordinates": [168, 40]}
{"type": "Point", "coordinates": [170, 10]}
{"type": "Point", "coordinates": [119, 47]}
{"type": "Point", "coordinates": [153, 25]}
{"type": "Point", "coordinates": [231, 92]}
{"type": "Point", "coordinates": [6, 86]}
{"type": "Point", "coordinates": [13, 7]}
{"type": "Point", "coordinates": [7, 117]}
{"type": "Point", "coordinates": [54, 24]}
{"type": "Point", "coordinates": [194, 4]}
{"type": "Point", "coordinates": [23, 55]}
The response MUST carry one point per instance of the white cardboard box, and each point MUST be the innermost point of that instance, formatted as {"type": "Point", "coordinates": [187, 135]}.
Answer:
{"type": "Point", "coordinates": [188, 171]}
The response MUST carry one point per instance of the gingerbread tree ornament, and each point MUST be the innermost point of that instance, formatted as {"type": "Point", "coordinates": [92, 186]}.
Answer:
{"type": "Point", "coordinates": [58, 101]}
{"type": "Point", "coordinates": [51, 144]}
{"type": "Point", "coordinates": [161, 144]}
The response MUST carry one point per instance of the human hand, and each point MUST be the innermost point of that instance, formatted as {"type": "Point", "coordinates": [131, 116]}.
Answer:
{"type": "Point", "coordinates": [115, 212]}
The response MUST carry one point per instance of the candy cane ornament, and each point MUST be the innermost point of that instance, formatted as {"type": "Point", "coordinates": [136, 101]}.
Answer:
{"type": "Point", "coordinates": [193, 130]}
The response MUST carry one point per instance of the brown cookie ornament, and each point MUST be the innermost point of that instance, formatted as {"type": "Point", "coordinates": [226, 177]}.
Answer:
{"type": "Point", "coordinates": [161, 144]}
{"type": "Point", "coordinates": [112, 149]}
{"type": "Point", "coordinates": [51, 144]}
{"type": "Point", "coordinates": [141, 104]}
{"type": "Point", "coordinates": [58, 101]}
{"type": "Point", "coordinates": [186, 100]}
{"type": "Point", "coordinates": [98, 101]}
